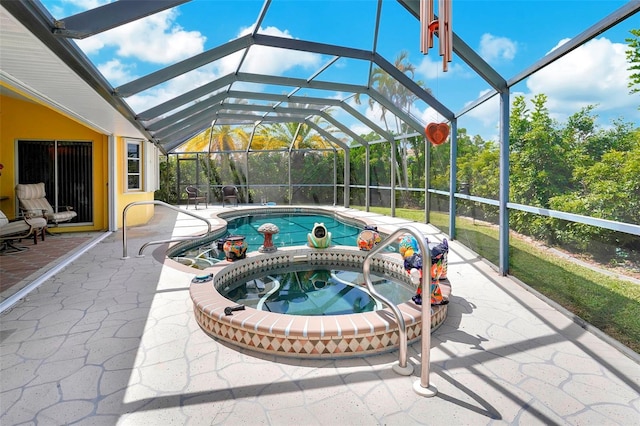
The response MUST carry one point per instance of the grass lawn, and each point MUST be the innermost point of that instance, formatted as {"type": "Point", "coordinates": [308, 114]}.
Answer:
{"type": "Point", "coordinates": [610, 304]}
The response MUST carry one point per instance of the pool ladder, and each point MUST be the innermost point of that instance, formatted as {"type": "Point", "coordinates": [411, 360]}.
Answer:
{"type": "Point", "coordinates": [422, 386]}
{"type": "Point", "coordinates": [145, 245]}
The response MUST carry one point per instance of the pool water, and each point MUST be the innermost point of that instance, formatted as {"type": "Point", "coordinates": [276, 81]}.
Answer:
{"type": "Point", "coordinates": [308, 291]}
{"type": "Point", "coordinates": [293, 227]}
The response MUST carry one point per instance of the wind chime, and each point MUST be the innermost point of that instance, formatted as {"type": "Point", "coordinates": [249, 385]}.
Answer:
{"type": "Point", "coordinates": [441, 26]}
{"type": "Point", "coordinates": [437, 133]}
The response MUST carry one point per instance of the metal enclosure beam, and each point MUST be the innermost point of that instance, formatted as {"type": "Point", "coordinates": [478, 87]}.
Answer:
{"type": "Point", "coordinates": [108, 16]}
{"type": "Point", "coordinates": [503, 196]}
{"type": "Point", "coordinates": [453, 173]}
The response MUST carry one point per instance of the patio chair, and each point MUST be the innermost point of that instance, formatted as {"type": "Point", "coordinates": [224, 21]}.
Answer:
{"type": "Point", "coordinates": [194, 196]}
{"type": "Point", "coordinates": [17, 230]}
{"type": "Point", "coordinates": [229, 194]}
{"type": "Point", "coordinates": [32, 200]}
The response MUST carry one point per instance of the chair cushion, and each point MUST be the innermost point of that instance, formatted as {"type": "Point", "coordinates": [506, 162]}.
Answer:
{"type": "Point", "coordinates": [30, 191]}
{"type": "Point", "coordinates": [32, 198]}
{"type": "Point", "coordinates": [61, 216]}
{"type": "Point", "coordinates": [3, 219]}
{"type": "Point", "coordinates": [36, 206]}
{"type": "Point", "coordinates": [14, 228]}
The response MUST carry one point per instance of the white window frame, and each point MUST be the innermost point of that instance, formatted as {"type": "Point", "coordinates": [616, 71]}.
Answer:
{"type": "Point", "coordinates": [139, 159]}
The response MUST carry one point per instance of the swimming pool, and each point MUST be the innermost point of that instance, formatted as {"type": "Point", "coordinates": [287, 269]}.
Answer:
{"type": "Point", "coordinates": [294, 228]}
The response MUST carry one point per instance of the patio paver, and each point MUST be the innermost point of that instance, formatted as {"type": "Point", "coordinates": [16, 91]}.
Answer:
{"type": "Point", "coordinates": [112, 341]}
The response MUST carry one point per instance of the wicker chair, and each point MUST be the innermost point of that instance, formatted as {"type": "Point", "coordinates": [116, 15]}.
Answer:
{"type": "Point", "coordinates": [194, 196]}
{"type": "Point", "coordinates": [229, 194]}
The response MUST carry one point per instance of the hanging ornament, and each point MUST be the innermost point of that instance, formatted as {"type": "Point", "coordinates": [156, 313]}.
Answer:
{"type": "Point", "coordinates": [431, 25]}
{"type": "Point", "coordinates": [437, 133]}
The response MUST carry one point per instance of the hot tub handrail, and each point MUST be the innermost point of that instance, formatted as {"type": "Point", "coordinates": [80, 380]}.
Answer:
{"type": "Point", "coordinates": [145, 245]}
{"type": "Point", "coordinates": [425, 283]}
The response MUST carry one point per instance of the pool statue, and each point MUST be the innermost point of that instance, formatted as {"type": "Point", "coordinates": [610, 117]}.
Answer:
{"type": "Point", "coordinates": [235, 247]}
{"type": "Point", "coordinates": [368, 238]}
{"type": "Point", "coordinates": [440, 260]}
{"type": "Point", "coordinates": [410, 251]}
{"type": "Point", "coordinates": [319, 237]}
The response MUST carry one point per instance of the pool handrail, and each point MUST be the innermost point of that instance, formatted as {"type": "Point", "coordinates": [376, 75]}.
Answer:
{"type": "Point", "coordinates": [145, 245]}
{"type": "Point", "coordinates": [426, 306]}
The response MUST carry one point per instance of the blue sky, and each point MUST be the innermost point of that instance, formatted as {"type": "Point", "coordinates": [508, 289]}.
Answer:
{"type": "Point", "coordinates": [509, 35]}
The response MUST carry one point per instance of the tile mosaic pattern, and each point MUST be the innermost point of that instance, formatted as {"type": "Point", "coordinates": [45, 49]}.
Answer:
{"type": "Point", "coordinates": [302, 336]}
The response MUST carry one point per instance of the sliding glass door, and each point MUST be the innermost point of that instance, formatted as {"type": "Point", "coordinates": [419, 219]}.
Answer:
{"type": "Point", "coordinates": [66, 168]}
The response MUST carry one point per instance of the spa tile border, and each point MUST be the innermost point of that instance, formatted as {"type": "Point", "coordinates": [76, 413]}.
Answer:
{"type": "Point", "coordinates": [307, 336]}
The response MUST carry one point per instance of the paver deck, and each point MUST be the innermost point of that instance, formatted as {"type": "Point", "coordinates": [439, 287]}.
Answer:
{"type": "Point", "coordinates": [112, 341]}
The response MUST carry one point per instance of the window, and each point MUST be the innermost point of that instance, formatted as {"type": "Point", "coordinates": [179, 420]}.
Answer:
{"type": "Point", "coordinates": [134, 165]}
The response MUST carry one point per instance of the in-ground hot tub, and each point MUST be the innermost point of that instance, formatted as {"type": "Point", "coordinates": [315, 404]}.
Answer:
{"type": "Point", "coordinates": [327, 336]}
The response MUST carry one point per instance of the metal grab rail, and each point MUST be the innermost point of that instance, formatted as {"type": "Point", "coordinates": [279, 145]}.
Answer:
{"type": "Point", "coordinates": [403, 368]}
{"type": "Point", "coordinates": [145, 245]}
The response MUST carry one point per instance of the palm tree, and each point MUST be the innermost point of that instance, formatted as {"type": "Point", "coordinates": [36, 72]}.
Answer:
{"type": "Point", "coordinates": [401, 97]}
{"type": "Point", "coordinates": [197, 143]}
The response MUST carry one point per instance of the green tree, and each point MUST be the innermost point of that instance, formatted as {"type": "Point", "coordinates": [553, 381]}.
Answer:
{"type": "Point", "coordinates": [539, 170]}
{"type": "Point", "coordinates": [608, 188]}
{"type": "Point", "coordinates": [633, 57]}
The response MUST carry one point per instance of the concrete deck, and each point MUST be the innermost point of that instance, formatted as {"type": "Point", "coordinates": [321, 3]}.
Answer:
{"type": "Point", "coordinates": [111, 341]}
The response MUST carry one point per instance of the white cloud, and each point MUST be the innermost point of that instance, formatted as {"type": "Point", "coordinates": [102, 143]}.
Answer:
{"type": "Point", "coordinates": [154, 39]}
{"type": "Point", "coordinates": [494, 48]}
{"type": "Point", "coordinates": [116, 72]}
{"type": "Point", "coordinates": [593, 74]}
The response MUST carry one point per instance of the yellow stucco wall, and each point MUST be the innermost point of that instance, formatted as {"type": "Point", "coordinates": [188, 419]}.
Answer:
{"type": "Point", "coordinates": [21, 119]}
